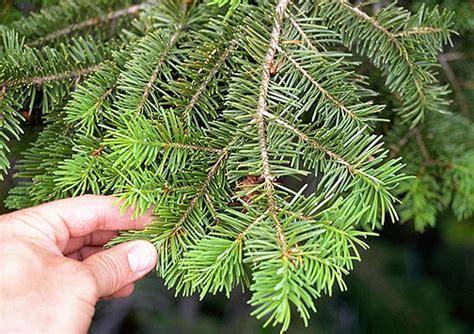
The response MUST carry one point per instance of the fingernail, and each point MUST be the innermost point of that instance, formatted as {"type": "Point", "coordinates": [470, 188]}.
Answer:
{"type": "Point", "coordinates": [141, 256]}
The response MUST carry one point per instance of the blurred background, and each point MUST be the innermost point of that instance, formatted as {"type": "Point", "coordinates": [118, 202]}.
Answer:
{"type": "Point", "coordinates": [407, 282]}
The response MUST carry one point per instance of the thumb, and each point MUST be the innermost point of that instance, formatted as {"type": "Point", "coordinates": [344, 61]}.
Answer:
{"type": "Point", "coordinates": [117, 267]}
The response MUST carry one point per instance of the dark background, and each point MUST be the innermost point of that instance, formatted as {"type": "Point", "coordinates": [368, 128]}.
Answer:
{"type": "Point", "coordinates": [407, 282]}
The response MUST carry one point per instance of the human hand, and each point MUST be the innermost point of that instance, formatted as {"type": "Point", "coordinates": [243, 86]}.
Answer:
{"type": "Point", "coordinates": [54, 269]}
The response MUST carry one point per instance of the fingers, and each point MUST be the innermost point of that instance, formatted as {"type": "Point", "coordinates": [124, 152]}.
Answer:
{"type": "Point", "coordinates": [98, 238]}
{"type": "Point", "coordinates": [123, 292]}
{"type": "Point", "coordinates": [122, 265]}
{"type": "Point", "coordinates": [76, 217]}
{"type": "Point", "coordinates": [84, 253]}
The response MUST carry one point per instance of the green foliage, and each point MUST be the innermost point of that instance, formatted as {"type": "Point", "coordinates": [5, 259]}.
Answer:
{"type": "Point", "coordinates": [440, 153]}
{"type": "Point", "coordinates": [233, 4]}
{"type": "Point", "coordinates": [218, 119]}
{"type": "Point", "coordinates": [403, 45]}
{"type": "Point", "coordinates": [68, 19]}
{"type": "Point", "coordinates": [54, 70]}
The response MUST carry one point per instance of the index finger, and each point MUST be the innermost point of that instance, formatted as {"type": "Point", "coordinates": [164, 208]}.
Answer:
{"type": "Point", "coordinates": [77, 217]}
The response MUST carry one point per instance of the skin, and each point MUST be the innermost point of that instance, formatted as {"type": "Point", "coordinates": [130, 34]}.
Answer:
{"type": "Point", "coordinates": [53, 268]}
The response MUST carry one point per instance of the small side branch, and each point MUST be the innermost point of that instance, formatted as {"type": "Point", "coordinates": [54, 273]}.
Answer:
{"type": "Point", "coordinates": [192, 147]}
{"type": "Point", "coordinates": [395, 149]}
{"type": "Point", "coordinates": [304, 137]}
{"type": "Point", "coordinates": [95, 21]}
{"type": "Point", "coordinates": [149, 87]}
{"type": "Point", "coordinates": [202, 88]}
{"type": "Point", "coordinates": [463, 103]}
{"type": "Point", "coordinates": [421, 144]}
{"type": "Point", "coordinates": [202, 191]}
{"type": "Point", "coordinates": [39, 81]}
{"type": "Point", "coordinates": [249, 228]}
{"type": "Point", "coordinates": [418, 31]}
{"type": "Point", "coordinates": [338, 103]}
{"type": "Point", "coordinates": [393, 39]}
{"type": "Point", "coordinates": [303, 34]}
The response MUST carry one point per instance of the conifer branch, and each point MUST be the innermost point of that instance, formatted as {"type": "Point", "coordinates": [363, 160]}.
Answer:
{"type": "Point", "coordinates": [260, 120]}
{"type": "Point", "coordinates": [421, 144]}
{"type": "Point", "coordinates": [267, 94]}
{"type": "Point", "coordinates": [458, 89]}
{"type": "Point", "coordinates": [104, 96]}
{"type": "Point", "coordinates": [149, 87]}
{"type": "Point", "coordinates": [39, 81]}
{"type": "Point", "coordinates": [395, 149]}
{"type": "Point", "coordinates": [418, 31]}
{"type": "Point", "coordinates": [304, 137]}
{"type": "Point", "coordinates": [192, 147]}
{"type": "Point", "coordinates": [249, 228]}
{"type": "Point", "coordinates": [207, 80]}
{"type": "Point", "coordinates": [212, 208]}
{"type": "Point", "coordinates": [95, 21]}
{"type": "Point", "coordinates": [303, 34]}
{"type": "Point", "coordinates": [201, 190]}
{"type": "Point", "coordinates": [391, 36]}
{"type": "Point", "coordinates": [323, 91]}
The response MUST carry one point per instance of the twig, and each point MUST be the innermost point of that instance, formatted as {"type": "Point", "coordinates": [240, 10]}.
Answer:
{"type": "Point", "coordinates": [463, 104]}
{"type": "Point", "coordinates": [133, 10]}
{"type": "Point", "coordinates": [260, 118]}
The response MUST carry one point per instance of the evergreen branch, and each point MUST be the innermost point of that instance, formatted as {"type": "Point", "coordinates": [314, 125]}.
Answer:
{"type": "Point", "coordinates": [229, 109]}
{"type": "Point", "coordinates": [304, 137]}
{"type": "Point", "coordinates": [457, 87]}
{"type": "Point", "coordinates": [191, 147]}
{"type": "Point", "coordinates": [303, 34]}
{"type": "Point", "coordinates": [207, 80]}
{"type": "Point", "coordinates": [242, 235]}
{"type": "Point", "coordinates": [201, 190]}
{"type": "Point", "coordinates": [260, 120]}
{"type": "Point", "coordinates": [9, 127]}
{"type": "Point", "coordinates": [395, 149]}
{"type": "Point", "coordinates": [212, 208]}
{"type": "Point", "coordinates": [149, 87]}
{"type": "Point", "coordinates": [323, 91]}
{"type": "Point", "coordinates": [399, 58]}
{"type": "Point", "coordinates": [418, 31]}
{"type": "Point", "coordinates": [39, 81]}
{"type": "Point", "coordinates": [403, 52]}
{"type": "Point", "coordinates": [262, 98]}
{"type": "Point", "coordinates": [95, 21]}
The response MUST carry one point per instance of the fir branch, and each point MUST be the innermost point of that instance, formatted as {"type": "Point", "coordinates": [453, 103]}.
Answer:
{"type": "Point", "coordinates": [202, 189]}
{"type": "Point", "coordinates": [191, 147]}
{"type": "Point", "coordinates": [260, 120]}
{"type": "Point", "coordinates": [304, 137]}
{"type": "Point", "coordinates": [149, 87]}
{"type": "Point", "coordinates": [242, 235]}
{"type": "Point", "coordinates": [421, 145]}
{"type": "Point", "coordinates": [212, 208]}
{"type": "Point", "coordinates": [303, 34]}
{"type": "Point", "coordinates": [39, 81]}
{"type": "Point", "coordinates": [418, 31]}
{"type": "Point", "coordinates": [393, 38]}
{"type": "Point", "coordinates": [457, 87]}
{"type": "Point", "coordinates": [229, 108]}
{"type": "Point", "coordinates": [399, 58]}
{"type": "Point", "coordinates": [207, 80]}
{"type": "Point", "coordinates": [338, 103]}
{"type": "Point", "coordinates": [92, 22]}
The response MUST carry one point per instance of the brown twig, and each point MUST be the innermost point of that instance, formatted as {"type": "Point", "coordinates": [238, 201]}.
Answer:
{"type": "Point", "coordinates": [112, 16]}
{"type": "Point", "coordinates": [461, 98]}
